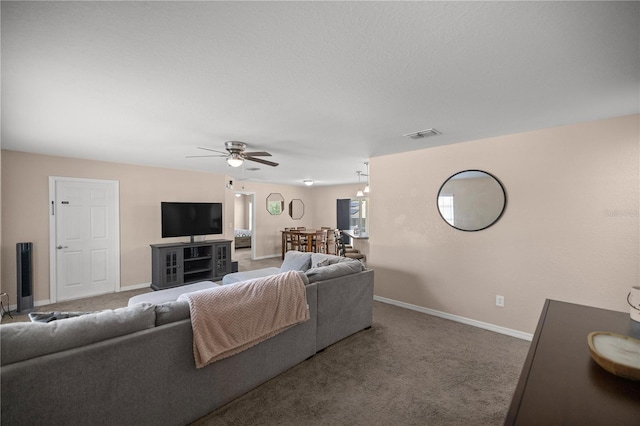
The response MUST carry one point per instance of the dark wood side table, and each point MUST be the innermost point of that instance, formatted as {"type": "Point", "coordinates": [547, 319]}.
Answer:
{"type": "Point", "coordinates": [561, 385]}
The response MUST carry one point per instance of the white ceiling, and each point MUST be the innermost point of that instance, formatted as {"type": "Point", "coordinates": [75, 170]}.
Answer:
{"type": "Point", "coordinates": [323, 86]}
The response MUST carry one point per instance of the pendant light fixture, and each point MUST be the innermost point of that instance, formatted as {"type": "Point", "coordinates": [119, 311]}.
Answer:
{"type": "Point", "coordinates": [360, 193]}
{"type": "Point", "coordinates": [366, 188]}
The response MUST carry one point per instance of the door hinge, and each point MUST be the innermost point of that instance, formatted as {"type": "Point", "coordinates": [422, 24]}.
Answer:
{"type": "Point", "coordinates": [53, 208]}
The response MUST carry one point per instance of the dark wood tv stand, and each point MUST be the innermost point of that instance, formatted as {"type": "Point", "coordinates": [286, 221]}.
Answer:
{"type": "Point", "coordinates": [176, 264]}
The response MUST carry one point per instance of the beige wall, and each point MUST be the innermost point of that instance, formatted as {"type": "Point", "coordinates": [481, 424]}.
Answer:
{"type": "Point", "coordinates": [319, 210]}
{"type": "Point", "coordinates": [267, 227]}
{"type": "Point", "coordinates": [569, 232]}
{"type": "Point", "coordinates": [324, 198]}
{"type": "Point", "coordinates": [25, 210]}
{"type": "Point", "coordinates": [241, 212]}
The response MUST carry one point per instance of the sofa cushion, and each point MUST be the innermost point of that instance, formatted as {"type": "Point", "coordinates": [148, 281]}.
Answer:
{"type": "Point", "coordinates": [26, 340]}
{"type": "Point", "coordinates": [169, 312]}
{"type": "Point", "coordinates": [296, 261]}
{"type": "Point", "coordinates": [336, 270]}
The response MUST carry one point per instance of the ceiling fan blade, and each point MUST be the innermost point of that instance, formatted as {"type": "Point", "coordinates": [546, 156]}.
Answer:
{"type": "Point", "coordinates": [203, 156]}
{"type": "Point", "coordinates": [260, 160]}
{"type": "Point", "coordinates": [257, 154]}
{"type": "Point", "coordinates": [212, 150]}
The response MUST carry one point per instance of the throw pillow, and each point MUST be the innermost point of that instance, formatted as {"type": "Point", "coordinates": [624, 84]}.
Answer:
{"type": "Point", "coordinates": [54, 316]}
{"type": "Point", "coordinates": [169, 312]}
{"type": "Point", "coordinates": [334, 271]}
{"type": "Point", "coordinates": [325, 262]}
{"type": "Point", "coordinates": [317, 258]}
{"type": "Point", "coordinates": [296, 261]}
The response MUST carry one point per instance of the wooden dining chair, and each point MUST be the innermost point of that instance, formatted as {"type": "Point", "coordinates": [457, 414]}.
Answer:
{"type": "Point", "coordinates": [296, 241]}
{"type": "Point", "coordinates": [332, 247]}
{"type": "Point", "coordinates": [303, 237]}
{"type": "Point", "coordinates": [337, 236]}
{"type": "Point", "coordinates": [320, 241]}
{"type": "Point", "coordinates": [287, 239]}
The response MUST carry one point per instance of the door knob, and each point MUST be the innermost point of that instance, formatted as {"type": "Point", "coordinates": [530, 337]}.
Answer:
{"type": "Point", "coordinates": [61, 247]}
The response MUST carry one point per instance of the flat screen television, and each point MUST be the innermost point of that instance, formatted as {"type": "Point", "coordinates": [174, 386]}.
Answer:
{"type": "Point", "coordinates": [190, 219]}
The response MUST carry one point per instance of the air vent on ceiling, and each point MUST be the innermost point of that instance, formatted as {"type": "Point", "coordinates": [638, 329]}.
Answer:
{"type": "Point", "coordinates": [422, 134]}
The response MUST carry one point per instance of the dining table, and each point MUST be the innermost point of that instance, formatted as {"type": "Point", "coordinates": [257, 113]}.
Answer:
{"type": "Point", "coordinates": [308, 233]}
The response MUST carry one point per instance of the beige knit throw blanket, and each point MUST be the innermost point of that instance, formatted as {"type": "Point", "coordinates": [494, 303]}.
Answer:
{"type": "Point", "coordinates": [232, 318]}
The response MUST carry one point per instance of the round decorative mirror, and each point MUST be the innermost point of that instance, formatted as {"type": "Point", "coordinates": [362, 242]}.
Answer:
{"type": "Point", "coordinates": [471, 200]}
{"type": "Point", "coordinates": [296, 209]}
{"type": "Point", "coordinates": [275, 203]}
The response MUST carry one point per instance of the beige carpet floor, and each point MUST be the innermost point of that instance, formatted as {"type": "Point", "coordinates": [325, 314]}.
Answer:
{"type": "Point", "coordinates": [408, 369]}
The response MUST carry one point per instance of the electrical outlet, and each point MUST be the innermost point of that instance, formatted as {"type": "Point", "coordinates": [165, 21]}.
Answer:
{"type": "Point", "coordinates": [500, 301]}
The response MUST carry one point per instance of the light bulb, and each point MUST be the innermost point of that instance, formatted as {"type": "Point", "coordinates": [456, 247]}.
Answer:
{"type": "Point", "coordinates": [234, 161]}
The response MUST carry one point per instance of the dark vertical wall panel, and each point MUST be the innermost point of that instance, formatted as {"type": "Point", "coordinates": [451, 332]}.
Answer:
{"type": "Point", "coordinates": [24, 260]}
{"type": "Point", "coordinates": [342, 220]}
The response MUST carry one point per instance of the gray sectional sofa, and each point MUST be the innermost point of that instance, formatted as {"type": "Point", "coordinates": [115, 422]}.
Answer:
{"type": "Point", "coordinates": [135, 365]}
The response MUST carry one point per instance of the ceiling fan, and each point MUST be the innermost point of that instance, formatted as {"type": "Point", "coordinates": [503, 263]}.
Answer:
{"type": "Point", "coordinates": [236, 154]}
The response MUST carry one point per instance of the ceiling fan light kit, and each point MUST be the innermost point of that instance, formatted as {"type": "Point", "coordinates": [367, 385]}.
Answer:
{"type": "Point", "coordinates": [234, 160]}
{"type": "Point", "coordinates": [236, 154]}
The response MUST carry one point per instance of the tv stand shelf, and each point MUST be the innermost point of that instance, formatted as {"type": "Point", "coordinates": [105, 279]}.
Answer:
{"type": "Point", "coordinates": [176, 264]}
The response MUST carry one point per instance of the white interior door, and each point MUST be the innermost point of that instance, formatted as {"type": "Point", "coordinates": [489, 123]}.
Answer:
{"type": "Point", "coordinates": [86, 242]}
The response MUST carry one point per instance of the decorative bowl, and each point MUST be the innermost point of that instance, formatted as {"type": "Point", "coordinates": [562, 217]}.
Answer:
{"type": "Point", "coordinates": [616, 353]}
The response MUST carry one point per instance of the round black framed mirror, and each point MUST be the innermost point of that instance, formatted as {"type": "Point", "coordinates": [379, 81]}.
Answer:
{"type": "Point", "coordinates": [471, 200]}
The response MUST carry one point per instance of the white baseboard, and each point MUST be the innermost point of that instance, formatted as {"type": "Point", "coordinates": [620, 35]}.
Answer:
{"type": "Point", "coordinates": [135, 287]}
{"type": "Point", "coordinates": [43, 302]}
{"type": "Point", "coordinates": [14, 308]}
{"type": "Point", "coordinates": [457, 318]}
{"type": "Point", "coordinates": [271, 256]}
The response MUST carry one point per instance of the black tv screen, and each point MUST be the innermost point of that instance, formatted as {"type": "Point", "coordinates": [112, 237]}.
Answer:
{"type": "Point", "coordinates": [189, 219]}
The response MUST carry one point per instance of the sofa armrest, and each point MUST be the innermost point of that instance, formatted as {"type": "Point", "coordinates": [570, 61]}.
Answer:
{"type": "Point", "coordinates": [345, 306]}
